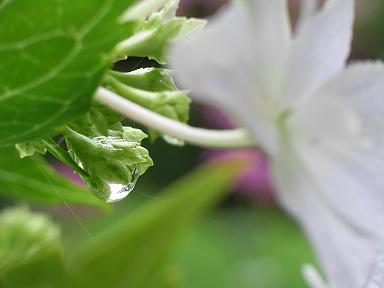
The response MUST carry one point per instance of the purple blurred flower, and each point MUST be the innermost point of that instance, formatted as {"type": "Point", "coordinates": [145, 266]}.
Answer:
{"type": "Point", "coordinates": [253, 181]}
{"type": "Point", "coordinates": [199, 8]}
{"type": "Point", "coordinates": [68, 173]}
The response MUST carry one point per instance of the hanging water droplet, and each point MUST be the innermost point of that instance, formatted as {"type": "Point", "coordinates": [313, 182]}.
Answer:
{"type": "Point", "coordinates": [120, 191]}
{"type": "Point", "coordinates": [172, 140]}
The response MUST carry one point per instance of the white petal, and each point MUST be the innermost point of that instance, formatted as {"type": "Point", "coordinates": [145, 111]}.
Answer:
{"type": "Point", "coordinates": [308, 8]}
{"type": "Point", "coordinates": [362, 86]}
{"type": "Point", "coordinates": [347, 253]}
{"type": "Point", "coordinates": [222, 64]}
{"type": "Point", "coordinates": [320, 49]}
{"type": "Point", "coordinates": [222, 50]}
{"type": "Point", "coordinates": [271, 34]}
{"type": "Point", "coordinates": [351, 103]}
{"type": "Point", "coordinates": [347, 175]}
{"type": "Point", "coordinates": [356, 169]}
{"type": "Point", "coordinates": [327, 121]}
{"type": "Point", "coordinates": [377, 278]}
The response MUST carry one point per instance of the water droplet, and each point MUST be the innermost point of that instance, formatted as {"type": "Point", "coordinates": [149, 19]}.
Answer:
{"type": "Point", "coordinates": [120, 191]}
{"type": "Point", "coordinates": [172, 140]}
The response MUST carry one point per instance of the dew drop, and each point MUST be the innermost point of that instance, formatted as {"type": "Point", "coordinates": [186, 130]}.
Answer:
{"type": "Point", "coordinates": [120, 191]}
{"type": "Point", "coordinates": [172, 140]}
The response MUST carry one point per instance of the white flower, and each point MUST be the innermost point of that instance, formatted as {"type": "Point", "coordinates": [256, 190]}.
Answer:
{"type": "Point", "coordinates": [321, 123]}
{"type": "Point", "coordinates": [377, 278]}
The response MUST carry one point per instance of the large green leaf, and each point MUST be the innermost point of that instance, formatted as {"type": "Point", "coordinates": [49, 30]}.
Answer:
{"type": "Point", "coordinates": [132, 251]}
{"type": "Point", "coordinates": [32, 179]}
{"type": "Point", "coordinates": [52, 57]}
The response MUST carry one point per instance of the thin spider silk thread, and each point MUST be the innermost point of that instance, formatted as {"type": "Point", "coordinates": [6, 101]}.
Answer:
{"type": "Point", "coordinates": [68, 207]}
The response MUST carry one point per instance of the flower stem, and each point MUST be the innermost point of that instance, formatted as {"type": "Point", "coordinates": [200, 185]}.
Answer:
{"type": "Point", "coordinates": [198, 136]}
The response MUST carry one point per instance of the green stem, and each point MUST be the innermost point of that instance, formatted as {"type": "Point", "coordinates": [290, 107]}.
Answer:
{"type": "Point", "coordinates": [138, 96]}
{"type": "Point", "coordinates": [63, 156]}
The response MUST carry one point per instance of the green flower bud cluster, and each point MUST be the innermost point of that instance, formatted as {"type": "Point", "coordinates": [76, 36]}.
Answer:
{"type": "Point", "coordinates": [24, 236]}
{"type": "Point", "coordinates": [154, 34]}
{"type": "Point", "coordinates": [108, 153]}
{"type": "Point", "coordinates": [154, 89]}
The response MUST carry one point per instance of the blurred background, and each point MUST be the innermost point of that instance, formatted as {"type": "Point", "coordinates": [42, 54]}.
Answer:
{"type": "Point", "coordinates": [245, 240]}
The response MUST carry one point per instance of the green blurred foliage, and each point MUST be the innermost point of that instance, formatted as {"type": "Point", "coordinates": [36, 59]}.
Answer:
{"type": "Point", "coordinates": [32, 179]}
{"type": "Point", "coordinates": [131, 252]}
{"type": "Point", "coordinates": [237, 246]}
{"type": "Point", "coordinates": [243, 247]}
{"type": "Point", "coordinates": [369, 30]}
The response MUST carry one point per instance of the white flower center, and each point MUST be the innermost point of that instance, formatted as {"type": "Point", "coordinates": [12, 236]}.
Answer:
{"type": "Point", "coordinates": [328, 122]}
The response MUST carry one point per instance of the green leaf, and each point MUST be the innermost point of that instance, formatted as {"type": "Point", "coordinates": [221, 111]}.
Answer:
{"type": "Point", "coordinates": [33, 180]}
{"type": "Point", "coordinates": [53, 55]}
{"type": "Point", "coordinates": [134, 249]}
